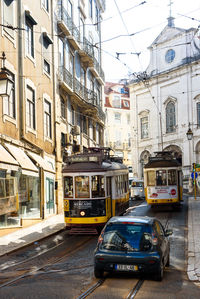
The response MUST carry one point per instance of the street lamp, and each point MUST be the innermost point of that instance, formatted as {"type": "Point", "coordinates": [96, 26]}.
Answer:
{"type": "Point", "coordinates": [189, 133]}
{"type": "Point", "coordinates": [6, 82]}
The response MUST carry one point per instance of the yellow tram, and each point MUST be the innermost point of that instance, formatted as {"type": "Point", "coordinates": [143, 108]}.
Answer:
{"type": "Point", "coordinates": [95, 189]}
{"type": "Point", "coordinates": [163, 180]}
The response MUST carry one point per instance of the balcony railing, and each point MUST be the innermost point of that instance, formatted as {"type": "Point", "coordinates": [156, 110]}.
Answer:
{"type": "Point", "coordinates": [88, 47]}
{"type": "Point", "coordinates": [84, 93]}
{"type": "Point", "coordinates": [65, 17]}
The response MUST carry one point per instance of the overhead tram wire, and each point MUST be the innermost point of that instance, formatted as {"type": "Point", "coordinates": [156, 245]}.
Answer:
{"type": "Point", "coordinates": [127, 32]}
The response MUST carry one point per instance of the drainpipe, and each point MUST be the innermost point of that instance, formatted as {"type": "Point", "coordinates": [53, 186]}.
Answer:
{"type": "Point", "coordinates": [20, 71]}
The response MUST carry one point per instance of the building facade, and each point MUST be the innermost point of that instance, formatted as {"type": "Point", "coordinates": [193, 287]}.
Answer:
{"type": "Point", "coordinates": [166, 99]}
{"type": "Point", "coordinates": [118, 121]}
{"type": "Point", "coordinates": [53, 57]}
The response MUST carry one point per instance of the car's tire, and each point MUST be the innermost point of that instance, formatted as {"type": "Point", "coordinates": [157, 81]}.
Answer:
{"type": "Point", "coordinates": [160, 272]}
{"type": "Point", "coordinates": [98, 273]}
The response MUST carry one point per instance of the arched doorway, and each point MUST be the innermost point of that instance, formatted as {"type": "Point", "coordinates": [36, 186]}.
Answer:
{"type": "Point", "coordinates": [176, 152]}
{"type": "Point", "coordinates": [144, 158]}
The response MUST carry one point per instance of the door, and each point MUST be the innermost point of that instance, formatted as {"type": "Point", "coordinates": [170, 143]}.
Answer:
{"type": "Point", "coordinates": [50, 199]}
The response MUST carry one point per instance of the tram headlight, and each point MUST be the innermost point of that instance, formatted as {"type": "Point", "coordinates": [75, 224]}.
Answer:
{"type": "Point", "coordinates": [82, 213]}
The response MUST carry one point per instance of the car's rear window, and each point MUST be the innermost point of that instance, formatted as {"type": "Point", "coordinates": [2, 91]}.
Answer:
{"type": "Point", "coordinates": [126, 236]}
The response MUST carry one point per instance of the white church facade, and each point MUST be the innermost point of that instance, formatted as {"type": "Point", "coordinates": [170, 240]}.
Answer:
{"type": "Point", "coordinates": [166, 100]}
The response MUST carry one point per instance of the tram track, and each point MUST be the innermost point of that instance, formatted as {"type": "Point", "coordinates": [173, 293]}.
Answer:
{"type": "Point", "coordinates": [132, 294]}
{"type": "Point", "coordinates": [43, 269]}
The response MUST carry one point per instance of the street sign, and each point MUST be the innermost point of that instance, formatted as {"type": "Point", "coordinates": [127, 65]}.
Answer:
{"type": "Point", "coordinates": [192, 175]}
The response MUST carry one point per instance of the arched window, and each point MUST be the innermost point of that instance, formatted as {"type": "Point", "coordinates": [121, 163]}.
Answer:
{"type": "Point", "coordinates": [170, 117]}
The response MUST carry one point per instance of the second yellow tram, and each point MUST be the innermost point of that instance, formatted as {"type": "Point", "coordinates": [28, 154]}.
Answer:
{"type": "Point", "coordinates": [163, 180]}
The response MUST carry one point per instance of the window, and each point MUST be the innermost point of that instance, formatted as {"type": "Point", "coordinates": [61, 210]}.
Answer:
{"type": "Point", "coordinates": [45, 4]}
{"type": "Point", "coordinates": [161, 178]}
{"type": "Point", "coordinates": [198, 114]}
{"type": "Point", "coordinates": [144, 128]}
{"type": "Point", "coordinates": [97, 18]}
{"type": "Point", "coordinates": [8, 16]}
{"type": "Point", "coordinates": [68, 6]}
{"type": "Point", "coordinates": [9, 102]}
{"type": "Point", "coordinates": [117, 118]}
{"type": "Point", "coordinates": [172, 177]}
{"type": "Point", "coordinates": [29, 37]}
{"type": "Point", "coordinates": [170, 117]}
{"type": "Point", "coordinates": [68, 186]}
{"type": "Point", "coordinates": [30, 108]}
{"type": "Point", "coordinates": [63, 108]}
{"type": "Point", "coordinates": [126, 104]}
{"type": "Point", "coordinates": [46, 52]}
{"type": "Point", "coordinates": [151, 178]}
{"type": "Point", "coordinates": [90, 4]}
{"type": "Point", "coordinates": [118, 138]}
{"type": "Point", "coordinates": [169, 56]}
{"type": "Point", "coordinates": [97, 182]}
{"type": "Point", "coordinates": [82, 187]}
{"type": "Point", "coordinates": [47, 119]}
{"type": "Point", "coordinates": [116, 103]}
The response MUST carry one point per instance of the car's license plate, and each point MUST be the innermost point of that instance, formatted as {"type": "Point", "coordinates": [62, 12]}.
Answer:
{"type": "Point", "coordinates": [120, 267]}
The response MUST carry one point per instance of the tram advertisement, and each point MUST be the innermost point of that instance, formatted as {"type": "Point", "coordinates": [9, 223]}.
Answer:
{"type": "Point", "coordinates": [162, 192]}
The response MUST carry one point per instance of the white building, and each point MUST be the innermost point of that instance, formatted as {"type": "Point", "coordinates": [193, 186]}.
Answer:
{"type": "Point", "coordinates": [118, 124]}
{"type": "Point", "coordinates": [166, 99]}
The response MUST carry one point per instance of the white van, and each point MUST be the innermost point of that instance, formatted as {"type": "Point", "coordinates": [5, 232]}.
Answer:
{"type": "Point", "coordinates": [137, 189]}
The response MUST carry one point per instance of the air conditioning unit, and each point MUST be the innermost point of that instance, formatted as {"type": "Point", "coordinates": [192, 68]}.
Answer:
{"type": "Point", "coordinates": [69, 139]}
{"type": "Point", "coordinates": [75, 130]}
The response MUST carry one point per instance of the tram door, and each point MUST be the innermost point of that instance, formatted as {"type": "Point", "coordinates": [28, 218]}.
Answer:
{"type": "Point", "coordinates": [109, 196]}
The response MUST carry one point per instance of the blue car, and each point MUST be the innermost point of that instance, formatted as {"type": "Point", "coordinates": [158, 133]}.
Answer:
{"type": "Point", "coordinates": [132, 244]}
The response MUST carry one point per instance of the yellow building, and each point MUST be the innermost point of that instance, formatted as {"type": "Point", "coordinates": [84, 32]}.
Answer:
{"type": "Point", "coordinates": [55, 104]}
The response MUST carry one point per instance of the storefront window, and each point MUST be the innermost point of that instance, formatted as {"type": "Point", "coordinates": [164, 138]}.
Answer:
{"type": "Point", "coordinates": [8, 200]}
{"type": "Point", "coordinates": [98, 186]}
{"type": "Point", "coordinates": [82, 187]}
{"type": "Point", "coordinates": [29, 196]}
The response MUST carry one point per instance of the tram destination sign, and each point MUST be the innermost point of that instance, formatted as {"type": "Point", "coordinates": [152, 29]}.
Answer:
{"type": "Point", "coordinates": [81, 159]}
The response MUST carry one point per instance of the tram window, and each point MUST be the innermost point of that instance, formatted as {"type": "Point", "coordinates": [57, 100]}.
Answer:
{"type": "Point", "coordinates": [108, 184]}
{"type": "Point", "coordinates": [161, 177]}
{"type": "Point", "coordinates": [172, 177]}
{"type": "Point", "coordinates": [68, 186]}
{"type": "Point", "coordinates": [151, 178]}
{"type": "Point", "coordinates": [98, 186]}
{"type": "Point", "coordinates": [82, 187]}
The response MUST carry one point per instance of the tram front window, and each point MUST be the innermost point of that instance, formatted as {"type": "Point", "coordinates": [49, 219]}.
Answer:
{"type": "Point", "coordinates": [68, 186]}
{"type": "Point", "coordinates": [172, 177]}
{"type": "Point", "coordinates": [98, 186]}
{"type": "Point", "coordinates": [161, 178]}
{"type": "Point", "coordinates": [151, 178]}
{"type": "Point", "coordinates": [82, 187]}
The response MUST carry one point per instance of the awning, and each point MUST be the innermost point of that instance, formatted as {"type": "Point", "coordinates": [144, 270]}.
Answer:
{"type": "Point", "coordinates": [7, 162]}
{"type": "Point", "coordinates": [47, 166]}
{"type": "Point", "coordinates": [28, 168]}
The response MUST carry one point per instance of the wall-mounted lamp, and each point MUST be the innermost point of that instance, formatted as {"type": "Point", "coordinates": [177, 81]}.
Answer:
{"type": "Point", "coordinates": [6, 82]}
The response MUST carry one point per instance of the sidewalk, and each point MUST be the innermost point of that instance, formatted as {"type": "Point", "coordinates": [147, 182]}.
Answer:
{"type": "Point", "coordinates": [193, 269]}
{"type": "Point", "coordinates": [29, 235]}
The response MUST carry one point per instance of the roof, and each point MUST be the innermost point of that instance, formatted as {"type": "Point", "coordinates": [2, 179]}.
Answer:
{"type": "Point", "coordinates": [93, 167]}
{"type": "Point", "coordinates": [136, 219]}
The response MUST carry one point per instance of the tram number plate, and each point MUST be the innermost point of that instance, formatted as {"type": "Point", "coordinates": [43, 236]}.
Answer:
{"type": "Point", "coordinates": [126, 267]}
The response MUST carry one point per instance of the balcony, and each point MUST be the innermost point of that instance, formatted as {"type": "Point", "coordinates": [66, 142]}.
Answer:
{"type": "Point", "coordinates": [74, 86]}
{"type": "Point", "coordinates": [86, 52]}
{"type": "Point", "coordinates": [67, 26]}
{"type": "Point", "coordinates": [97, 71]}
{"type": "Point", "coordinates": [66, 79]}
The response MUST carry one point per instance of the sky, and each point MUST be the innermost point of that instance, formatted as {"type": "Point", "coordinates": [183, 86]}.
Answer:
{"type": "Point", "coordinates": [130, 27]}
